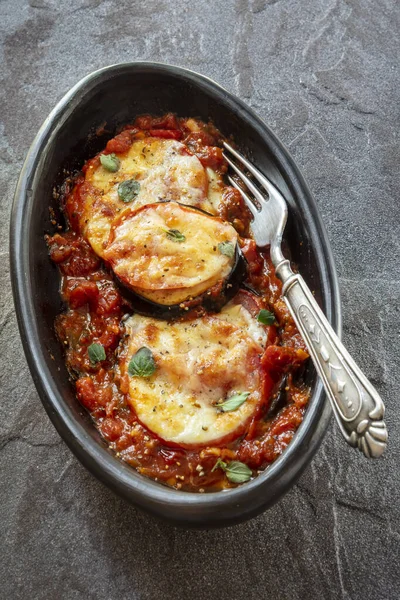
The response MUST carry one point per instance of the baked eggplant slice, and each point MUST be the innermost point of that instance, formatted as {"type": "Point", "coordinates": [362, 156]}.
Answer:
{"type": "Point", "coordinates": [152, 169]}
{"type": "Point", "coordinates": [170, 255]}
{"type": "Point", "coordinates": [183, 391]}
{"type": "Point", "coordinates": [211, 301]}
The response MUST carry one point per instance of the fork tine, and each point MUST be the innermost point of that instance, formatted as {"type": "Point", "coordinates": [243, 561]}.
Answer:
{"type": "Point", "coordinates": [245, 197]}
{"type": "Point", "coordinates": [257, 174]}
{"type": "Point", "coordinates": [250, 185]}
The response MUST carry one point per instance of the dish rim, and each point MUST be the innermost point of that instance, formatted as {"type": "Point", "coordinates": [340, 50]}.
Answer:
{"type": "Point", "coordinates": [97, 458]}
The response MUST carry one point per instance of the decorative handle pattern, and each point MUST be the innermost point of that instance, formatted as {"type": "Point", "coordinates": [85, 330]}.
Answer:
{"type": "Point", "coordinates": [357, 406]}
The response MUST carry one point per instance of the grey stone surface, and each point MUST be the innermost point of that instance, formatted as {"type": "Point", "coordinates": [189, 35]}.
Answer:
{"type": "Point", "coordinates": [324, 74]}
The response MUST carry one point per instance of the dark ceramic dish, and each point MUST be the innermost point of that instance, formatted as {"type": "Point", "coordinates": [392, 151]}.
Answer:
{"type": "Point", "coordinates": [112, 97]}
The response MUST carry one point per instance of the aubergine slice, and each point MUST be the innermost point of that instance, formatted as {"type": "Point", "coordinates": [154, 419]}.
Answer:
{"type": "Point", "coordinates": [212, 300]}
{"type": "Point", "coordinates": [159, 169]}
{"type": "Point", "coordinates": [170, 257]}
{"type": "Point", "coordinates": [200, 364]}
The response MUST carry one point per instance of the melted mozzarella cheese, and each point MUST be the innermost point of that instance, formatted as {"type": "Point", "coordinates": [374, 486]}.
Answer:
{"type": "Point", "coordinates": [165, 171]}
{"type": "Point", "coordinates": [240, 316]}
{"type": "Point", "coordinates": [146, 257]}
{"type": "Point", "coordinates": [199, 364]}
{"type": "Point", "coordinates": [216, 187]}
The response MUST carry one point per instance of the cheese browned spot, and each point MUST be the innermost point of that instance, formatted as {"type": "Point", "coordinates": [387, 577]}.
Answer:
{"type": "Point", "coordinates": [200, 363]}
{"type": "Point", "coordinates": [146, 256]}
{"type": "Point", "coordinates": [234, 312]}
{"type": "Point", "coordinates": [165, 170]}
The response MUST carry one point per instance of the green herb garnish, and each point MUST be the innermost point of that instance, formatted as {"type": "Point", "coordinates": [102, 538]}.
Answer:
{"type": "Point", "coordinates": [175, 235]}
{"type": "Point", "coordinates": [266, 317]}
{"type": "Point", "coordinates": [110, 162]}
{"type": "Point", "coordinates": [128, 190]}
{"type": "Point", "coordinates": [233, 402]}
{"type": "Point", "coordinates": [236, 471]}
{"type": "Point", "coordinates": [142, 364]}
{"type": "Point", "coordinates": [96, 353]}
{"type": "Point", "coordinates": [227, 248]}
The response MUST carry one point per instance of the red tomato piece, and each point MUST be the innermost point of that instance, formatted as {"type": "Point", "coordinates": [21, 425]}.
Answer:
{"type": "Point", "coordinates": [86, 392]}
{"type": "Point", "coordinates": [93, 396]}
{"type": "Point", "coordinates": [278, 359]}
{"type": "Point", "coordinates": [144, 122]}
{"type": "Point", "coordinates": [59, 248]}
{"type": "Point", "coordinates": [288, 420]}
{"type": "Point", "coordinates": [251, 254]}
{"type": "Point", "coordinates": [120, 143]}
{"type": "Point", "coordinates": [73, 254]}
{"type": "Point", "coordinates": [255, 455]}
{"type": "Point", "coordinates": [197, 138]}
{"type": "Point", "coordinates": [78, 293]}
{"type": "Point", "coordinates": [111, 429]}
{"type": "Point", "coordinates": [211, 156]}
{"type": "Point", "coordinates": [168, 121]}
{"type": "Point", "coordinates": [110, 338]}
{"type": "Point", "coordinates": [109, 300]}
{"type": "Point", "coordinates": [167, 134]}
{"type": "Point", "coordinates": [233, 208]}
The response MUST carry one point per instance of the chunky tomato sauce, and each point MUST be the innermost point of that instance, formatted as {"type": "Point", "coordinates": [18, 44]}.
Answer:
{"type": "Point", "coordinates": [94, 313]}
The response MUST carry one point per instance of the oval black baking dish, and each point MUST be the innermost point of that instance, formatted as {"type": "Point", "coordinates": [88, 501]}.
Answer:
{"type": "Point", "coordinates": [76, 129]}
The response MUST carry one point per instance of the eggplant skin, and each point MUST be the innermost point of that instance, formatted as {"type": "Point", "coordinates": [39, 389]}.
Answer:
{"type": "Point", "coordinates": [211, 301]}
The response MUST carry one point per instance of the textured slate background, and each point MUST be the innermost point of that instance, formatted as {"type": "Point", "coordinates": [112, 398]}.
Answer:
{"type": "Point", "coordinates": [324, 75]}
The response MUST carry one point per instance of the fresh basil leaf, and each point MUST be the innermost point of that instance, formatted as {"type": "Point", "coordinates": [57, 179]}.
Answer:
{"type": "Point", "coordinates": [128, 190]}
{"type": "Point", "coordinates": [110, 162]}
{"type": "Point", "coordinates": [238, 472]}
{"type": "Point", "coordinates": [266, 317]}
{"type": "Point", "coordinates": [220, 464]}
{"type": "Point", "coordinates": [96, 353]}
{"type": "Point", "coordinates": [142, 364]}
{"type": "Point", "coordinates": [175, 235]}
{"type": "Point", "coordinates": [227, 248]}
{"type": "Point", "coordinates": [233, 402]}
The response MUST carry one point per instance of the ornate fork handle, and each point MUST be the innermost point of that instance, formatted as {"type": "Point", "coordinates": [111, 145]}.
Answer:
{"type": "Point", "coordinates": [358, 407]}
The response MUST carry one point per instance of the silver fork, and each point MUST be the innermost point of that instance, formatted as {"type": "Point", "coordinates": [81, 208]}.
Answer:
{"type": "Point", "coordinates": [357, 406]}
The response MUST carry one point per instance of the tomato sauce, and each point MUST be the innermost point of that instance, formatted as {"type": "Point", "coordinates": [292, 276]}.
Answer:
{"type": "Point", "coordinates": [94, 313]}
